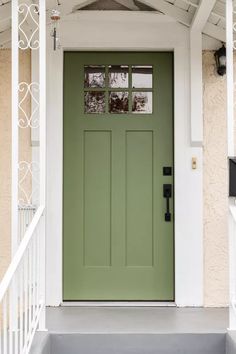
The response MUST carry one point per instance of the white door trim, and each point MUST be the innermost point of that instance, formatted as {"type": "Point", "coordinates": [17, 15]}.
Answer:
{"type": "Point", "coordinates": [153, 35]}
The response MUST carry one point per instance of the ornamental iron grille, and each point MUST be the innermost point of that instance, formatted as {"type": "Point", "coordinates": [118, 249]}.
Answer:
{"type": "Point", "coordinates": [28, 114]}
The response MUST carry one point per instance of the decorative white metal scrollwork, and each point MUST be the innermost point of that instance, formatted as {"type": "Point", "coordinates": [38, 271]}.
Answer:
{"type": "Point", "coordinates": [28, 183]}
{"type": "Point", "coordinates": [29, 91]}
{"type": "Point", "coordinates": [234, 23]}
{"type": "Point", "coordinates": [28, 26]}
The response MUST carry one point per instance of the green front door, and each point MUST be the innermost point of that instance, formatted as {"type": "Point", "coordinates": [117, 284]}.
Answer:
{"type": "Point", "coordinates": [118, 137]}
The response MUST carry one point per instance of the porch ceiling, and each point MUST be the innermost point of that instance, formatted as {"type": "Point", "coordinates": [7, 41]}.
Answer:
{"type": "Point", "coordinates": [183, 11]}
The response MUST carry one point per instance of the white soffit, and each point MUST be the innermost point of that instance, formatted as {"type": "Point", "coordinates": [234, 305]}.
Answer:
{"type": "Point", "coordinates": [182, 11]}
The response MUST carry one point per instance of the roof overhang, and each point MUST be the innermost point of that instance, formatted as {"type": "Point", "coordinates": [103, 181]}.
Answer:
{"type": "Point", "coordinates": [207, 16]}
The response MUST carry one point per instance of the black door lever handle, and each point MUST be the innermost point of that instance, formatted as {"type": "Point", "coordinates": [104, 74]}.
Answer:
{"type": "Point", "coordinates": [167, 194]}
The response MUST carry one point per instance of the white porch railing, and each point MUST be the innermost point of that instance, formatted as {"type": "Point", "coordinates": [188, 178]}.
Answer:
{"type": "Point", "coordinates": [25, 216]}
{"type": "Point", "coordinates": [22, 291]}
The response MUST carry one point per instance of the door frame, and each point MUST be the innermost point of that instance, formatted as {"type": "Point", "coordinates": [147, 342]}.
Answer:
{"type": "Point", "coordinates": [188, 182]}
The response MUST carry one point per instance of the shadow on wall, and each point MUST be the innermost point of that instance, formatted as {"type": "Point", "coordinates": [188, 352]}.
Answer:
{"type": "Point", "coordinates": [5, 147]}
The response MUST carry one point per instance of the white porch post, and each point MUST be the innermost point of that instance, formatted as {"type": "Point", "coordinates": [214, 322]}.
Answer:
{"type": "Point", "coordinates": [13, 335]}
{"type": "Point", "coordinates": [230, 136]}
{"type": "Point", "coordinates": [28, 33]}
{"type": "Point", "coordinates": [15, 114]}
{"type": "Point", "coordinates": [42, 136]}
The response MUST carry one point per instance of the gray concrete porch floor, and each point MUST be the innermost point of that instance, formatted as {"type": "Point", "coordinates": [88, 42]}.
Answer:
{"type": "Point", "coordinates": [134, 320]}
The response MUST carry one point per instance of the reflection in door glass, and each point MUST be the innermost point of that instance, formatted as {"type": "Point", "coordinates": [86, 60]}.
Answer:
{"type": "Point", "coordinates": [142, 102]}
{"type": "Point", "coordinates": [142, 76]}
{"type": "Point", "coordinates": [118, 76]}
{"type": "Point", "coordinates": [118, 102]}
{"type": "Point", "coordinates": [94, 102]}
{"type": "Point", "coordinates": [94, 76]}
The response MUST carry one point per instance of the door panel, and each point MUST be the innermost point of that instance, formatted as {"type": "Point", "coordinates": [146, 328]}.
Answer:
{"type": "Point", "coordinates": [118, 136]}
{"type": "Point", "coordinates": [139, 198]}
{"type": "Point", "coordinates": [97, 198]}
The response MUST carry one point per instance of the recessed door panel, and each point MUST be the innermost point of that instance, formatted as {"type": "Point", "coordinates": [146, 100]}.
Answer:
{"type": "Point", "coordinates": [139, 198]}
{"type": "Point", "coordinates": [97, 198]}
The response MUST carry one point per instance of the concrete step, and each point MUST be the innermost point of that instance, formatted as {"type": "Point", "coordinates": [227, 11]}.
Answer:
{"type": "Point", "coordinates": [135, 330]}
{"type": "Point", "coordinates": [184, 343]}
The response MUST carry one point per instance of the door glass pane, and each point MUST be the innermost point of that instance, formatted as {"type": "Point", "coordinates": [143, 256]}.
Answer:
{"type": "Point", "coordinates": [94, 102]}
{"type": "Point", "coordinates": [142, 76]}
{"type": "Point", "coordinates": [118, 102]}
{"type": "Point", "coordinates": [118, 76]}
{"type": "Point", "coordinates": [142, 102]}
{"type": "Point", "coordinates": [94, 76]}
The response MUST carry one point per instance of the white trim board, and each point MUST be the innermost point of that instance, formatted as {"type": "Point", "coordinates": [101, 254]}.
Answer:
{"type": "Point", "coordinates": [152, 35]}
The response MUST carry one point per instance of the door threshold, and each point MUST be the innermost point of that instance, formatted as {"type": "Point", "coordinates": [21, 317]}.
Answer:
{"type": "Point", "coordinates": [117, 304]}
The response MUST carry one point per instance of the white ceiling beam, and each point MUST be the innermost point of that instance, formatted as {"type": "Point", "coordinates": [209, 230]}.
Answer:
{"type": "Point", "coordinates": [219, 8]}
{"type": "Point", "coordinates": [5, 37]}
{"type": "Point", "coordinates": [215, 32]}
{"type": "Point", "coordinates": [202, 14]}
{"type": "Point", "coordinates": [187, 18]}
{"type": "Point", "coordinates": [169, 9]}
{"type": "Point", "coordinates": [5, 11]}
{"type": "Point", "coordinates": [197, 26]}
{"type": "Point", "coordinates": [214, 11]}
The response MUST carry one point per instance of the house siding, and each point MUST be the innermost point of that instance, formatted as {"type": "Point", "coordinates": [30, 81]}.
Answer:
{"type": "Point", "coordinates": [5, 146]}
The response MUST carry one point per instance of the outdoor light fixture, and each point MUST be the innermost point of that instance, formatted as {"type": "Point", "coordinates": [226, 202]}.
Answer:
{"type": "Point", "coordinates": [55, 18]}
{"type": "Point", "coordinates": [220, 57]}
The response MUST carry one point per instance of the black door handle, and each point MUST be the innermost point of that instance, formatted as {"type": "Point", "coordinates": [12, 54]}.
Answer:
{"type": "Point", "coordinates": [167, 194]}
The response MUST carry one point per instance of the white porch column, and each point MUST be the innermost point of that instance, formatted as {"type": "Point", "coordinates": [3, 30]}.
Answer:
{"type": "Point", "coordinates": [14, 166]}
{"type": "Point", "coordinates": [15, 119]}
{"type": "Point", "coordinates": [42, 142]}
{"type": "Point", "coordinates": [28, 173]}
{"type": "Point", "coordinates": [231, 150]}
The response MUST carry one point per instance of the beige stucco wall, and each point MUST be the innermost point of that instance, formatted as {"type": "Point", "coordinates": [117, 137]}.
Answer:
{"type": "Point", "coordinates": [215, 185]}
{"type": "Point", "coordinates": [5, 161]}
{"type": "Point", "coordinates": [5, 146]}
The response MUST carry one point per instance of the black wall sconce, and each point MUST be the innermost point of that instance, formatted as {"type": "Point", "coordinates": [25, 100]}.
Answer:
{"type": "Point", "coordinates": [220, 57]}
